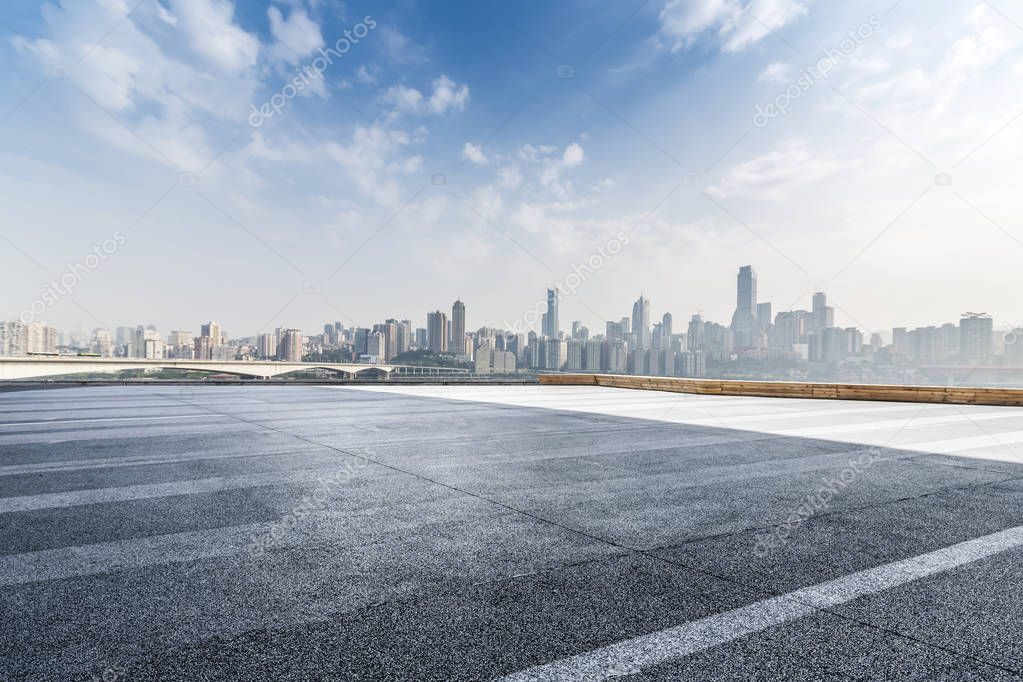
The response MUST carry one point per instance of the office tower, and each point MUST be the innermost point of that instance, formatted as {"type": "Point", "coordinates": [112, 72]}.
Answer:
{"type": "Point", "coordinates": [457, 339]}
{"type": "Point", "coordinates": [823, 314]}
{"type": "Point", "coordinates": [976, 339]}
{"type": "Point", "coordinates": [421, 338]}
{"type": "Point", "coordinates": [437, 332]}
{"type": "Point", "coordinates": [549, 326]}
{"type": "Point", "coordinates": [614, 331]}
{"type": "Point", "coordinates": [290, 346]}
{"type": "Point", "coordinates": [213, 331]}
{"type": "Point", "coordinates": [744, 319]}
{"type": "Point", "coordinates": [667, 328]}
{"type": "Point", "coordinates": [695, 334]}
{"type": "Point", "coordinates": [764, 314]}
{"type": "Point", "coordinates": [576, 326]}
{"type": "Point", "coordinates": [641, 321]}
{"type": "Point", "coordinates": [360, 341]}
{"type": "Point", "coordinates": [376, 345]}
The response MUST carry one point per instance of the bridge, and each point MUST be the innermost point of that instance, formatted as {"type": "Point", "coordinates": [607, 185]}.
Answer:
{"type": "Point", "coordinates": [14, 368]}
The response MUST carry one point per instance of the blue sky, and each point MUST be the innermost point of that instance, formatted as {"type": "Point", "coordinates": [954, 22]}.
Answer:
{"type": "Point", "coordinates": [135, 117]}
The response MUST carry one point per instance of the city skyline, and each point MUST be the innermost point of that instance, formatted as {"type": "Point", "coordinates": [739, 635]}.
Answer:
{"type": "Point", "coordinates": [525, 322]}
{"type": "Point", "coordinates": [402, 161]}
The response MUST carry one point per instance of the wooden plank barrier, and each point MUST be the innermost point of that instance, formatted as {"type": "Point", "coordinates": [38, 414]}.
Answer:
{"type": "Point", "coordinates": [953, 395]}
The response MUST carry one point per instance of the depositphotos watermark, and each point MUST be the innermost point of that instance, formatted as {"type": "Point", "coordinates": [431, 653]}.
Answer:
{"type": "Point", "coordinates": [75, 273]}
{"type": "Point", "coordinates": [820, 70]}
{"type": "Point", "coordinates": [603, 255]}
{"type": "Point", "coordinates": [307, 73]}
{"type": "Point", "coordinates": [816, 502]}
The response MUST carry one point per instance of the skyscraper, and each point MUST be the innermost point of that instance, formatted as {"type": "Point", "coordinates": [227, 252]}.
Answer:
{"type": "Point", "coordinates": [641, 321]}
{"type": "Point", "coordinates": [550, 326]}
{"type": "Point", "coordinates": [457, 326]}
{"type": "Point", "coordinates": [744, 319]}
{"type": "Point", "coordinates": [823, 314]}
{"type": "Point", "coordinates": [437, 331]}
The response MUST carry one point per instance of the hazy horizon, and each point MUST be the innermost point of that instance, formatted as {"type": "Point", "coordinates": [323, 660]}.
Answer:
{"type": "Point", "coordinates": [480, 151]}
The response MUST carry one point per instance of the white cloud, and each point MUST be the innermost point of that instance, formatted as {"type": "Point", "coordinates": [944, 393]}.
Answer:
{"type": "Point", "coordinates": [209, 27]}
{"type": "Point", "coordinates": [475, 154]}
{"type": "Point", "coordinates": [295, 36]}
{"type": "Point", "coordinates": [404, 99]}
{"type": "Point", "coordinates": [573, 155]}
{"type": "Point", "coordinates": [736, 24]}
{"type": "Point", "coordinates": [448, 95]}
{"type": "Point", "coordinates": [775, 175]}
{"type": "Point", "coordinates": [776, 72]}
{"type": "Point", "coordinates": [509, 177]}
{"type": "Point", "coordinates": [373, 161]}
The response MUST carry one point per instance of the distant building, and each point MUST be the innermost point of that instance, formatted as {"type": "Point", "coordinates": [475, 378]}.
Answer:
{"type": "Point", "coordinates": [549, 324]}
{"type": "Point", "coordinates": [289, 347]}
{"type": "Point", "coordinates": [744, 319]}
{"type": "Point", "coordinates": [976, 338]}
{"type": "Point", "coordinates": [437, 332]}
{"type": "Point", "coordinates": [641, 321]}
{"type": "Point", "coordinates": [457, 340]}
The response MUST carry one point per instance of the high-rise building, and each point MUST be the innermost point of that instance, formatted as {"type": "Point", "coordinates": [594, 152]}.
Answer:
{"type": "Point", "coordinates": [641, 321]}
{"type": "Point", "coordinates": [695, 335]}
{"type": "Point", "coordinates": [556, 353]}
{"type": "Point", "coordinates": [376, 345]}
{"type": "Point", "coordinates": [549, 324]}
{"type": "Point", "coordinates": [212, 330]}
{"type": "Point", "coordinates": [290, 346]}
{"type": "Point", "coordinates": [744, 319]}
{"type": "Point", "coordinates": [823, 314]}
{"type": "Point", "coordinates": [976, 339]}
{"type": "Point", "coordinates": [266, 346]}
{"type": "Point", "coordinates": [457, 340]}
{"type": "Point", "coordinates": [437, 332]}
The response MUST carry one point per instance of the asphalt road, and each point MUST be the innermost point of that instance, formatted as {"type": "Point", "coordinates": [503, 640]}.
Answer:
{"type": "Point", "coordinates": [309, 532]}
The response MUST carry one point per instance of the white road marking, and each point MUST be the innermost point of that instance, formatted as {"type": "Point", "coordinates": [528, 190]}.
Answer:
{"type": "Point", "coordinates": [673, 643]}
{"type": "Point", "coordinates": [148, 491]}
{"type": "Point", "coordinates": [47, 422]}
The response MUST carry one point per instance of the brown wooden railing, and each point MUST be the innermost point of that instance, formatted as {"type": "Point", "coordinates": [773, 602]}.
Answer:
{"type": "Point", "coordinates": [955, 395]}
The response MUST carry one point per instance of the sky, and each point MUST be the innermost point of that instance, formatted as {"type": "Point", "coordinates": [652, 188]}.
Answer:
{"type": "Point", "coordinates": [292, 162]}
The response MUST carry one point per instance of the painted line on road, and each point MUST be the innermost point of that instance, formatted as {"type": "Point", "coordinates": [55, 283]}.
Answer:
{"type": "Point", "coordinates": [148, 491]}
{"type": "Point", "coordinates": [632, 655]}
{"type": "Point", "coordinates": [47, 422]}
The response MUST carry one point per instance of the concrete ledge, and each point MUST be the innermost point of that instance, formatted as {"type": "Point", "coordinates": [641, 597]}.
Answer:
{"type": "Point", "coordinates": [954, 395]}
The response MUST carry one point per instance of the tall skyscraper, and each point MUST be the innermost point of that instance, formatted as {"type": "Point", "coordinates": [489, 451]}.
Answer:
{"type": "Point", "coordinates": [457, 326]}
{"type": "Point", "coordinates": [437, 332]}
{"type": "Point", "coordinates": [823, 314]}
{"type": "Point", "coordinates": [641, 321]}
{"type": "Point", "coordinates": [550, 318]}
{"type": "Point", "coordinates": [744, 319]}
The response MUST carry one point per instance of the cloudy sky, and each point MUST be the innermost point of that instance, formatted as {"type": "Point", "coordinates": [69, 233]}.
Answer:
{"type": "Point", "coordinates": [486, 149]}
